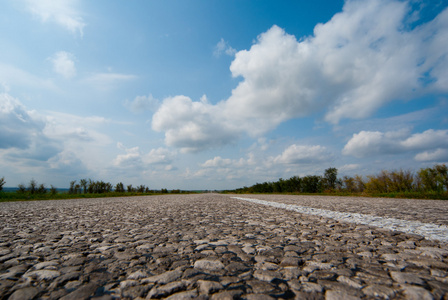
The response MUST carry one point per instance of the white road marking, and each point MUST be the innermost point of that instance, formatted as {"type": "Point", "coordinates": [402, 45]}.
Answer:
{"type": "Point", "coordinates": [428, 230]}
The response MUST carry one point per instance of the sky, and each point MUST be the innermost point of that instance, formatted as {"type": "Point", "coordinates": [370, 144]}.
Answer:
{"type": "Point", "coordinates": [208, 94]}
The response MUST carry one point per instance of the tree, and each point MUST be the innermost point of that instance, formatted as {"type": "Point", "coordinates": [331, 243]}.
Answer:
{"type": "Point", "coordinates": [22, 189]}
{"type": "Point", "coordinates": [53, 190]}
{"type": "Point", "coordinates": [330, 178]}
{"type": "Point", "coordinates": [311, 184]}
{"type": "Point", "coordinates": [130, 188]}
{"type": "Point", "coordinates": [141, 189]}
{"type": "Point", "coordinates": [119, 188]}
{"type": "Point", "coordinates": [434, 179]}
{"type": "Point", "coordinates": [32, 188]}
{"type": "Point", "coordinates": [72, 189]}
{"type": "Point", "coordinates": [83, 184]}
{"type": "Point", "coordinates": [2, 183]}
{"type": "Point", "coordinates": [41, 189]}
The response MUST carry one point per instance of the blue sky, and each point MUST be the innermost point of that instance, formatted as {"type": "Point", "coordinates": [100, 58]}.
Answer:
{"type": "Point", "coordinates": [220, 94]}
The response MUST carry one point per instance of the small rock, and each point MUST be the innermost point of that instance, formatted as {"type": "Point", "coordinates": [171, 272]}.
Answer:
{"type": "Point", "coordinates": [165, 290]}
{"type": "Point", "coordinates": [164, 278]}
{"type": "Point", "coordinates": [209, 265]}
{"type": "Point", "coordinates": [209, 287]}
{"type": "Point", "coordinates": [43, 274]}
{"type": "Point", "coordinates": [403, 277]}
{"type": "Point", "coordinates": [339, 295]}
{"type": "Point", "coordinates": [27, 293]}
{"type": "Point", "coordinates": [266, 275]}
{"type": "Point", "coordinates": [379, 291]}
{"type": "Point", "coordinates": [138, 275]}
{"type": "Point", "coordinates": [416, 293]}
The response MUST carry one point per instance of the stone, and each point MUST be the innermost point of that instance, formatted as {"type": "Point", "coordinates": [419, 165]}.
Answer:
{"type": "Point", "coordinates": [27, 293]}
{"type": "Point", "coordinates": [184, 295]}
{"type": "Point", "coordinates": [403, 277]}
{"type": "Point", "coordinates": [227, 295]}
{"type": "Point", "coordinates": [379, 291]}
{"type": "Point", "coordinates": [209, 265]}
{"type": "Point", "coordinates": [339, 295]}
{"type": "Point", "coordinates": [209, 287]}
{"type": "Point", "coordinates": [261, 287]}
{"type": "Point", "coordinates": [266, 275]}
{"type": "Point", "coordinates": [291, 262]}
{"type": "Point", "coordinates": [236, 267]}
{"type": "Point", "coordinates": [416, 293]}
{"type": "Point", "coordinates": [164, 278]}
{"type": "Point", "coordinates": [43, 274]}
{"type": "Point", "coordinates": [166, 290]}
{"type": "Point", "coordinates": [138, 275]}
{"type": "Point", "coordinates": [259, 297]}
{"type": "Point", "coordinates": [349, 282]}
{"type": "Point", "coordinates": [83, 292]}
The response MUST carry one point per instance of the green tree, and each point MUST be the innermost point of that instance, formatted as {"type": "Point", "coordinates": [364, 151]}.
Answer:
{"type": "Point", "coordinates": [330, 178]}
{"type": "Point", "coordinates": [22, 189]}
{"type": "Point", "coordinates": [119, 188]}
{"type": "Point", "coordinates": [41, 189]}
{"type": "Point", "coordinates": [32, 187]}
{"type": "Point", "coordinates": [434, 179]}
{"type": "Point", "coordinates": [53, 190]}
{"type": "Point", "coordinates": [2, 183]}
{"type": "Point", "coordinates": [141, 189]}
{"type": "Point", "coordinates": [72, 188]}
{"type": "Point", "coordinates": [130, 188]}
{"type": "Point", "coordinates": [83, 184]}
{"type": "Point", "coordinates": [311, 184]}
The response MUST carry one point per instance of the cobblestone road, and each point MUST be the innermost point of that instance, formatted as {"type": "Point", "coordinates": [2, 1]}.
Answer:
{"type": "Point", "coordinates": [210, 246]}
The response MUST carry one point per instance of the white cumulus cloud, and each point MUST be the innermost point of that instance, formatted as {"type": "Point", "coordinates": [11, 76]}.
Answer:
{"type": "Point", "coordinates": [63, 13]}
{"type": "Point", "coordinates": [63, 64]}
{"type": "Point", "coordinates": [363, 58]}
{"type": "Point", "coordinates": [304, 154]}
{"type": "Point", "coordinates": [438, 155]}
{"type": "Point", "coordinates": [191, 125]}
{"type": "Point", "coordinates": [433, 143]}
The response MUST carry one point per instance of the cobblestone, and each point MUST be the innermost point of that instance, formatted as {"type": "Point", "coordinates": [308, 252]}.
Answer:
{"type": "Point", "coordinates": [209, 246]}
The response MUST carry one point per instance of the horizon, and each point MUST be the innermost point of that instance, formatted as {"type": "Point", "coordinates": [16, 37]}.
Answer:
{"type": "Point", "coordinates": [205, 95]}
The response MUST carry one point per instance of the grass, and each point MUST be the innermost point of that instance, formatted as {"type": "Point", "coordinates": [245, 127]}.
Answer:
{"type": "Point", "coordinates": [399, 195]}
{"type": "Point", "coordinates": [14, 196]}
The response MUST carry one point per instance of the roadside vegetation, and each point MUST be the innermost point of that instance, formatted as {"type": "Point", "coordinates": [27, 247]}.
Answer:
{"type": "Point", "coordinates": [427, 183]}
{"type": "Point", "coordinates": [84, 188]}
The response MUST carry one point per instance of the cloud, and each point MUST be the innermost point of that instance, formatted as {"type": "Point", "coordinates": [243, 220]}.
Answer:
{"type": "Point", "coordinates": [141, 104]}
{"type": "Point", "coordinates": [438, 155]}
{"type": "Point", "coordinates": [17, 126]}
{"type": "Point", "coordinates": [63, 13]}
{"type": "Point", "coordinates": [304, 154]}
{"type": "Point", "coordinates": [76, 129]}
{"type": "Point", "coordinates": [22, 132]}
{"type": "Point", "coordinates": [107, 81]}
{"type": "Point", "coordinates": [64, 64]}
{"type": "Point", "coordinates": [364, 57]}
{"type": "Point", "coordinates": [223, 47]}
{"type": "Point", "coordinates": [371, 143]}
{"type": "Point", "coordinates": [217, 161]}
{"type": "Point", "coordinates": [136, 159]}
{"type": "Point", "coordinates": [160, 156]}
{"type": "Point", "coordinates": [16, 77]}
{"type": "Point", "coordinates": [192, 126]}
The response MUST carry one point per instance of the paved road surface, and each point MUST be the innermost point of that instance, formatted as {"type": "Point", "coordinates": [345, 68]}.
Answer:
{"type": "Point", "coordinates": [211, 246]}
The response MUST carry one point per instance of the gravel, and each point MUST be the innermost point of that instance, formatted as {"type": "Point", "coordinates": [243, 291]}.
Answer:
{"type": "Point", "coordinates": [210, 246]}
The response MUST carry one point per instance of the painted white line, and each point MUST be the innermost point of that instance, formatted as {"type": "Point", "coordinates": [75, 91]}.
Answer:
{"type": "Point", "coordinates": [428, 230]}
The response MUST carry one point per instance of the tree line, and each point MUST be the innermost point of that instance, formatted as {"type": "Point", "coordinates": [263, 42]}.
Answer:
{"type": "Point", "coordinates": [81, 187]}
{"type": "Point", "coordinates": [426, 181]}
